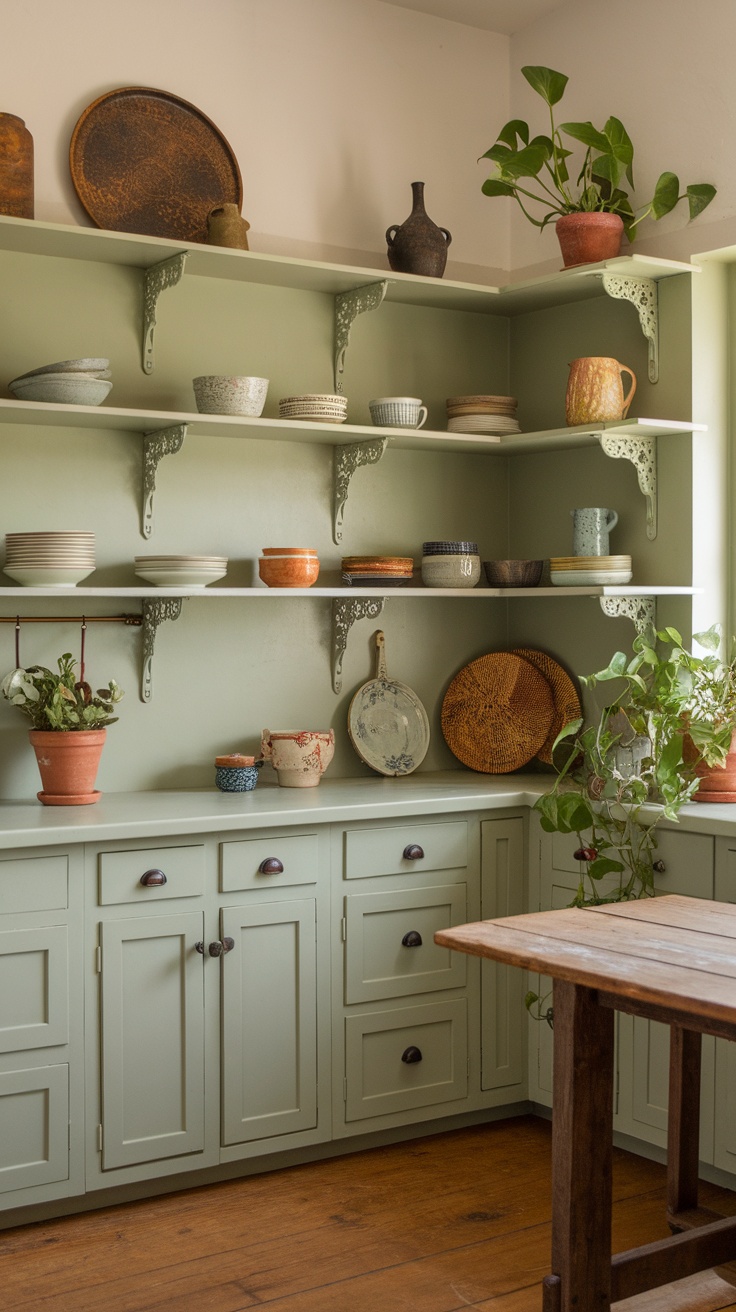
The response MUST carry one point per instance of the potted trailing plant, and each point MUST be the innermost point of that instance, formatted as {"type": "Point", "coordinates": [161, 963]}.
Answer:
{"type": "Point", "coordinates": [672, 722]}
{"type": "Point", "coordinates": [68, 727]}
{"type": "Point", "coordinates": [593, 211]}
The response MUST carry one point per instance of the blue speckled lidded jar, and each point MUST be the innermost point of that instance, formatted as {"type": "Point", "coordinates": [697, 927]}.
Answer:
{"type": "Point", "coordinates": [236, 774]}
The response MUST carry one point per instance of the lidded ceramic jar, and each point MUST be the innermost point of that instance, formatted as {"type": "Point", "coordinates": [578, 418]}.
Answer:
{"type": "Point", "coordinates": [454, 564]}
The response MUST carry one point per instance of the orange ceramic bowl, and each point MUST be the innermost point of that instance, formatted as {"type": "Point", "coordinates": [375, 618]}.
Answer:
{"type": "Point", "coordinates": [288, 571]}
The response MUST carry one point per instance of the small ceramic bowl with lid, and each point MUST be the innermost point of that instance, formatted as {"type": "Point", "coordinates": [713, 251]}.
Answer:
{"type": "Point", "coordinates": [236, 773]}
{"type": "Point", "coordinates": [452, 564]}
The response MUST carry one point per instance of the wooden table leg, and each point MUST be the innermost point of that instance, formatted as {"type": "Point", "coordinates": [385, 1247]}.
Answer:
{"type": "Point", "coordinates": [582, 1126]}
{"type": "Point", "coordinates": [683, 1120]}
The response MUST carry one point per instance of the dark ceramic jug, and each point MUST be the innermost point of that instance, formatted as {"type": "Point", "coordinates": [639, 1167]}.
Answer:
{"type": "Point", "coordinates": [418, 245]}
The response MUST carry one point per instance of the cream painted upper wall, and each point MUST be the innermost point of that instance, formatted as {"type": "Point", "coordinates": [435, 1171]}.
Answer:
{"type": "Point", "coordinates": [665, 68]}
{"type": "Point", "coordinates": [333, 107]}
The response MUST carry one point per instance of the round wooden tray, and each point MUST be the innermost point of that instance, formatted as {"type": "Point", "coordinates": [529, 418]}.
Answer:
{"type": "Point", "coordinates": [146, 161]}
{"type": "Point", "coordinates": [497, 713]}
{"type": "Point", "coordinates": [564, 695]}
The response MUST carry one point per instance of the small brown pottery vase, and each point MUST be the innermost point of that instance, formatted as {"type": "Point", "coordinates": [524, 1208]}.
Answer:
{"type": "Point", "coordinates": [588, 238]}
{"type": "Point", "coordinates": [16, 167]}
{"type": "Point", "coordinates": [227, 227]}
{"type": "Point", "coordinates": [418, 245]}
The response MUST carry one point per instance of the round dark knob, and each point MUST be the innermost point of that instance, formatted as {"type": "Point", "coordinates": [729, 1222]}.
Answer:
{"type": "Point", "coordinates": [199, 947]}
{"type": "Point", "coordinates": [412, 939]}
{"type": "Point", "coordinates": [413, 852]}
{"type": "Point", "coordinates": [658, 867]}
{"type": "Point", "coordinates": [410, 1055]}
{"type": "Point", "coordinates": [153, 879]}
{"type": "Point", "coordinates": [271, 866]}
{"type": "Point", "coordinates": [221, 946]}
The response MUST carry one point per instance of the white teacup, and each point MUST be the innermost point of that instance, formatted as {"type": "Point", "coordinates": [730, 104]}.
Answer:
{"type": "Point", "coordinates": [299, 756]}
{"type": "Point", "coordinates": [398, 412]}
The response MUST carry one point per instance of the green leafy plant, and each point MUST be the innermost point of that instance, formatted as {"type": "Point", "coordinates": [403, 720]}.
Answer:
{"type": "Point", "coordinates": [544, 161]}
{"type": "Point", "coordinates": [638, 764]}
{"type": "Point", "coordinates": [60, 701]}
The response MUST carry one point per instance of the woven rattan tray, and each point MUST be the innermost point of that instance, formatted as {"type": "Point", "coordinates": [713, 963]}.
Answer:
{"type": "Point", "coordinates": [564, 695]}
{"type": "Point", "coordinates": [497, 713]}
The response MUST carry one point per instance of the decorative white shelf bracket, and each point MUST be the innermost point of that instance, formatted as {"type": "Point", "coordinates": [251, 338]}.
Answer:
{"type": "Point", "coordinates": [160, 276]}
{"type": "Point", "coordinates": [348, 305]}
{"type": "Point", "coordinates": [156, 445]}
{"type": "Point", "coordinates": [640, 610]}
{"type": "Point", "coordinates": [642, 292]}
{"type": "Point", "coordinates": [346, 459]}
{"type": "Point", "coordinates": [154, 613]}
{"type": "Point", "coordinates": [642, 452]}
{"type": "Point", "coordinates": [344, 616]}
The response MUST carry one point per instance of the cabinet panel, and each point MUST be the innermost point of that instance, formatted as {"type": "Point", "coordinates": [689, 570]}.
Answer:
{"type": "Point", "coordinates": [380, 964]}
{"type": "Point", "coordinates": [381, 1080]}
{"type": "Point", "coordinates": [34, 883]}
{"type": "Point", "coordinates": [152, 1038]}
{"type": "Point", "coordinates": [379, 851]}
{"type": "Point", "coordinates": [34, 1127]}
{"type": "Point", "coordinates": [120, 874]}
{"type": "Point", "coordinates": [269, 1027]}
{"type": "Point", "coordinates": [34, 988]}
{"type": "Point", "coordinates": [502, 894]}
{"type": "Point", "coordinates": [243, 864]}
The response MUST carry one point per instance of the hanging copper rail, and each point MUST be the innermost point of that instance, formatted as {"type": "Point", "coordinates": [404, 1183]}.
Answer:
{"type": "Point", "coordinates": [135, 621]}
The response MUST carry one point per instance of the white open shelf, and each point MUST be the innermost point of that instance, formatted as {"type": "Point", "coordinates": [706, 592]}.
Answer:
{"type": "Point", "coordinates": [344, 593]}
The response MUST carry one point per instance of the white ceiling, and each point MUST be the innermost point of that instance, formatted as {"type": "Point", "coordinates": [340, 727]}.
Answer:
{"type": "Point", "coordinates": [506, 16]}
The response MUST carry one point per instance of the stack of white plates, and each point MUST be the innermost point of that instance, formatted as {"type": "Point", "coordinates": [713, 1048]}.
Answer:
{"type": "Point", "coordinates": [66, 382]}
{"type": "Point", "coordinates": [181, 571]}
{"type": "Point", "coordinates": [49, 559]}
{"type": "Point", "coordinates": [327, 408]}
{"type": "Point", "coordinates": [587, 571]}
{"type": "Point", "coordinates": [493, 415]}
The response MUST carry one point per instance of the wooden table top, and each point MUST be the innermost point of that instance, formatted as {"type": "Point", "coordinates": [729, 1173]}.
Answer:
{"type": "Point", "coordinates": [673, 952]}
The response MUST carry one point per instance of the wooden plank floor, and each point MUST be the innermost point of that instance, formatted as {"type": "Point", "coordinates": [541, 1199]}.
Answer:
{"type": "Point", "coordinates": [456, 1221]}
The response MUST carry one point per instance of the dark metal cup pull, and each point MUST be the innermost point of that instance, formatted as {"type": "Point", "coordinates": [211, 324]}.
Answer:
{"type": "Point", "coordinates": [410, 1055]}
{"type": "Point", "coordinates": [199, 947]}
{"type": "Point", "coordinates": [659, 867]}
{"type": "Point", "coordinates": [153, 879]}
{"type": "Point", "coordinates": [271, 866]}
{"type": "Point", "coordinates": [413, 852]}
{"type": "Point", "coordinates": [412, 939]}
{"type": "Point", "coordinates": [221, 946]}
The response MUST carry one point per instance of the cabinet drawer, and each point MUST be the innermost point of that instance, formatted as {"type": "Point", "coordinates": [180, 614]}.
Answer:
{"type": "Point", "coordinates": [34, 988]}
{"type": "Point", "coordinates": [371, 852]}
{"type": "Point", "coordinates": [380, 1077]}
{"type": "Point", "coordinates": [382, 956]}
{"type": "Point", "coordinates": [34, 883]}
{"type": "Point", "coordinates": [34, 1127]}
{"type": "Point", "coordinates": [120, 874]}
{"type": "Point", "coordinates": [269, 862]}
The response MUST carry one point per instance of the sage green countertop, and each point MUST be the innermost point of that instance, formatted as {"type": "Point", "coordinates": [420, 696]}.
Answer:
{"type": "Point", "coordinates": [27, 823]}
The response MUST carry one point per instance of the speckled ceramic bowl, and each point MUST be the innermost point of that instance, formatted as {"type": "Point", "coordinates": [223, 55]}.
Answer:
{"type": "Point", "coordinates": [219, 394]}
{"type": "Point", "coordinates": [61, 389]}
{"type": "Point", "coordinates": [289, 570]}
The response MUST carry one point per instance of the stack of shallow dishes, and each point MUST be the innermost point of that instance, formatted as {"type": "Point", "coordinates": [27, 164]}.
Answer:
{"type": "Point", "coordinates": [66, 382]}
{"type": "Point", "coordinates": [49, 559]}
{"type": "Point", "coordinates": [326, 408]}
{"type": "Point", "coordinates": [490, 415]}
{"type": "Point", "coordinates": [181, 571]}
{"type": "Point", "coordinates": [589, 571]}
{"type": "Point", "coordinates": [377, 571]}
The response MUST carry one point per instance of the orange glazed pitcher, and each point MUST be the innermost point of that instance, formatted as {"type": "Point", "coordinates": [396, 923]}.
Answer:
{"type": "Point", "coordinates": [595, 392]}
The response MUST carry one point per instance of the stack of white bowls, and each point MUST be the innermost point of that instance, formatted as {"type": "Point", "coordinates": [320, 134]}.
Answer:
{"type": "Point", "coordinates": [589, 571]}
{"type": "Point", "coordinates": [325, 407]}
{"type": "Point", "coordinates": [66, 382]}
{"type": "Point", "coordinates": [49, 559]}
{"type": "Point", "coordinates": [181, 571]}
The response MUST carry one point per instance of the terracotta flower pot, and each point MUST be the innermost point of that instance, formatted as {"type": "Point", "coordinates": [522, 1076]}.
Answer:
{"type": "Point", "coordinates": [588, 238]}
{"type": "Point", "coordinates": [717, 782]}
{"type": "Point", "coordinates": [68, 765]}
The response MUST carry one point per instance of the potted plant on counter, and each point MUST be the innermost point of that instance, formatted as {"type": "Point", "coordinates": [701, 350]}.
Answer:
{"type": "Point", "coordinates": [664, 741]}
{"type": "Point", "coordinates": [593, 211]}
{"type": "Point", "coordinates": [69, 722]}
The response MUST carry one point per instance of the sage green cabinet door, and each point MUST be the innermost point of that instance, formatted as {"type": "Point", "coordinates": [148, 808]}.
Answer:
{"type": "Point", "coordinates": [152, 1009]}
{"type": "Point", "coordinates": [390, 950]}
{"type": "Point", "coordinates": [34, 1127]}
{"type": "Point", "coordinates": [34, 988]}
{"type": "Point", "coordinates": [405, 1058]}
{"type": "Point", "coordinates": [269, 1020]}
{"type": "Point", "coordinates": [502, 894]}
